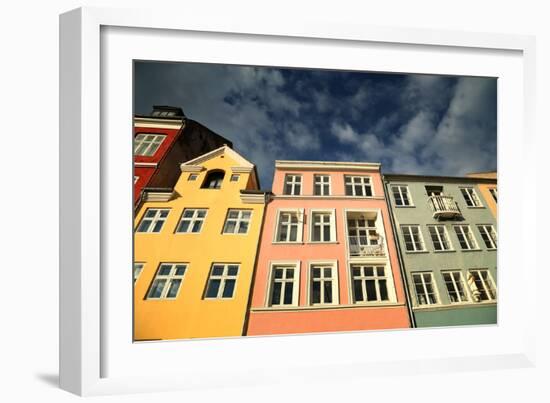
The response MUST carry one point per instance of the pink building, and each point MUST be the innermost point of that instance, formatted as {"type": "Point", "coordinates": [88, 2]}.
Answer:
{"type": "Point", "coordinates": [327, 257]}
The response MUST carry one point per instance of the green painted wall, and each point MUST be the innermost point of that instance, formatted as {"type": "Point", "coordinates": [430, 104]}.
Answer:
{"type": "Point", "coordinates": [444, 313]}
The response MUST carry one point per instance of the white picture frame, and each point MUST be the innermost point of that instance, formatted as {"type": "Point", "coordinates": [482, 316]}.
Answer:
{"type": "Point", "coordinates": [96, 355]}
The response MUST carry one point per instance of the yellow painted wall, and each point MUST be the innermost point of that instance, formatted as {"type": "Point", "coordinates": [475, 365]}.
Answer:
{"type": "Point", "coordinates": [190, 315]}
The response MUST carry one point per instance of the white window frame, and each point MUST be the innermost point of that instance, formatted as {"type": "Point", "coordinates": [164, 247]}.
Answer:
{"type": "Point", "coordinates": [362, 180]}
{"type": "Point", "coordinates": [300, 230]}
{"type": "Point", "coordinates": [333, 265]}
{"type": "Point", "coordinates": [138, 266]}
{"type": "Point", "coordinates": [156, 218]}
{"type": "Point", "coordinates": [470, 195]}
{"type": "Point", "coordinates": [420, 238]}
{"type": "Point", "coordinates": [439, 239]}
{"type": "Point", "coordinates": [136, 178]}
{"type": "Point", "coordinates": [237, 221]}
{"type": "Point", "coordinates": [153, 146]}
{"type": "Point", "coordinates": [463, 233]}
{"type": "Point", "coordinates": [455, 287]}
{"type": "Point", "coordinates": [434, 287]}
{"type": "Point", "coordinates": [332, 223]}
{"type": "Point", "coordinates": [224, 277]}
{"type": "Point", "coordinates": [319, 180]}
{"type": "Point", "coordinates": [494, 193]}
{"type": "Point", "coordinates": [170, 277]}
{"type": "Point", "coordinates": [490, 233]}
{"type": "Point", "coordinates": [192, 220]}
{"type": "Point", "coordinates": [295, 283]}
{"type": "Point", "coordinates": [400, 191]}
{"type": "Point", "coordinates": [293, 180]}
{"type": "Point", "coordinates": [492, 285]}
{"type": "Point", "coordinates": [388, 276]}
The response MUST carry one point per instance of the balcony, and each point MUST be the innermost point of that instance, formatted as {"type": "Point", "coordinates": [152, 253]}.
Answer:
{"type": "Point", "coordinates": [444, 207]}
{"type": "Point", "coordinates": [366, 246]}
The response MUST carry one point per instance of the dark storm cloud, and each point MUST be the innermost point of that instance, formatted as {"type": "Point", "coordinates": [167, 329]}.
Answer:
{"type": "Point", "coordinates": [416, 124]}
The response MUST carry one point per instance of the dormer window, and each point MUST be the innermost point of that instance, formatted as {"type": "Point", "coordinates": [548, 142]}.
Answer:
{"type": "Point", "coordinates": [213, 180]}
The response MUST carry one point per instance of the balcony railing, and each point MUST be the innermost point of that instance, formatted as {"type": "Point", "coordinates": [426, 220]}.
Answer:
{"type": "Point", "coordinates": [444, 207]}
{"type": "Point", "coordinates": [359, 246]}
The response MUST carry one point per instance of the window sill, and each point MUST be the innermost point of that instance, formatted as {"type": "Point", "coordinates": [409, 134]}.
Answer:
{"type": "Point", "coordinates": [458, 305]}
{"type": "Point", "coordinates": [417, 251]}
{"type": "Point", "coordinates": [286, 243]}
{"type": "Point", "coordinates": [411, 206]}
{"type": "Point", "coordinates": [445, 251]}
{"type": "Point", "coordinates": [322, 243]}
{"type": "Point", "coordinates": [476, 207]}
{"type": "Point", "coordinates": [471, 250]}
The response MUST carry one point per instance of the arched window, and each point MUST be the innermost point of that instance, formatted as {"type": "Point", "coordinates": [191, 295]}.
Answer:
{"type": "Point", "coordinates": [213, 180]}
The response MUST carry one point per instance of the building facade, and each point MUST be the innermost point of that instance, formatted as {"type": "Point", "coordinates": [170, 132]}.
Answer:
{"type": "Point", "coordinates": [327, 259]}
{"type": "Point", "coordinates": [194, 250]}
{"type": "Point", "coordinates": [447, 237]}
{"type": "Point", "coordinates": [162, 141]}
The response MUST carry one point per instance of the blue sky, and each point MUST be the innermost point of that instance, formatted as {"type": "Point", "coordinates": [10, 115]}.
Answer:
{"type": "Point", "coordinates": [412, 124]}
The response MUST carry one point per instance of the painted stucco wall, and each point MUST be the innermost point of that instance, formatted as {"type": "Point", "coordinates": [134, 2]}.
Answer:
{"type": "Point", "coordinates": [445, 313]}
{"type": "Point", "coordinates": [190, 315]}
{"type": "Point", "coordinates": [345, 315]}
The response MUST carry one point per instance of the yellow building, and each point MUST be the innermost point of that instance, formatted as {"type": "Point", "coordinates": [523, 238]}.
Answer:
{"type": "Point", "coordinates": [195, 249]}
{"type": "Point", "coordinates": [488, 188]}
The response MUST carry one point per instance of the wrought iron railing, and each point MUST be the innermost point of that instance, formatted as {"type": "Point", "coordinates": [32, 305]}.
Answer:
{"type": "Point", "coordinates": [443, 206]}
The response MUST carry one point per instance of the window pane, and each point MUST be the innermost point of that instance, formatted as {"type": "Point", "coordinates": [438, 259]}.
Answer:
{"type": "Point", "coordinates": [288, 293]}
{"type": "Point", "coordinates": [158, 226]}
{"type": "Point", "coordinates": [233, 214]}
{"type": "Point", "coordinates": [197, 226]}
{"type": "Point", "coordinates": [349, 190]}
{"type": "Point", "coordinates": [293, 233]}
{"type": "Point", "coordinates": [213, 287]}
{"type": "Point", "coordinates": [316, 292]}
{"type": "Point", "coordinates": [383, 290]}
{"type": "Point", "coordinates": [316, 233]}
{"type": "Point", "coordinates": [289, 273]}
{"type": "Point", "coordinates": [156, 288]}
{"type": "Point", "coordinates": [278, 273]}
{"type": "Point", "coordinates": [328, 292]}
{"type": "Point", "coordinates": [316, 272]}
{"type": "Point", "coordinates": [327, 272]}
{"type": "Point", "coordinates": [164, 270]}
{"type": "Point", "coordinates": [371, 290]}
{"type": "Point", "coordinates": [173, 290]}
{"type": "Point", "coordinates": [180, 270]}
{"type": "Point", "coordinates": [232, 270]}
{"type": "Point", "coordinates": [183, 226]}
{"type": "Point", "coordinates": [201, 213]}
{"type": "Point", "coordinates": [243, 228]}
{"type": "Point", "coordinates": [276, 295]}
{"type": "Point", "coordinates": [163, 213]}
{"type": "Point", "coordinates": [217, 270]}
{"type": "Point", "coordinates": [228, 289]}
{"type": "Point", "coordinates": [229, 227]}
{"type": "Point", "coordinates": [357, 290]}
{"type": "Point", "coordinates": [326, 233]}
{"type": "Point", "coordinates": [144, 226]}
{"type": "Point", "coordinates": [150, 213]}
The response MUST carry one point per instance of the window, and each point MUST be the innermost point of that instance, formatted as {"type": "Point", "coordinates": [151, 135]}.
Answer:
{"type": "Point", "coordinates": [369, 283]}
{"type": "Point", "coordinates": [493, 192]}
{"type": "Point", "coordinates": [191, 220]}
{"type": "Point", "coordinates": [358, 186]}
{"type": "Point", "coordinates": [147, 144]}
{"type": "Point", "coordinates": [470, 197]}
{"type": "Point", "coordinates": [434, 190]}
{"type": "Point", "coordinates": [138, 267]}
{"type": "Point", "coordinates": [234, 178]}
{"type": "Point", "coordinates": [153, 220]}
{"type": "Point", "coordinates": [439, 237]}
{"type": "Point", "coordinates": [322, 227]}
{"type": "Point", "coordinates": [424, 288]}
{"type": "Point", "coordinates": [321, 185]}
{"type": "Point", "coordinates": [413, 238]}
{"type": "Point", "coordinates": [237, 222]}
{"type": "Point", "coordinates": [481, 285]}
{"type": "Point", "coordinates": [213, 180]}
{"type": "Point", "coordinates": [465, 237]}
{"type": "Point", "coordinates": [136, 178]}
{"type": "Point", "coordinates": [221, 283]}
{"type": "Point", "coordinates": [455, 286]}
{"type": "Point", "coordinates": [192, 177]}
{"type": "Point", "coordinates": [167, 282]}
{"type": "Point", "coordinates": [293, 185]}
{"type": "Point", "coordinates": [290, 227]}
{"type": "Point", "coordinates": [324, 285]}
{"type": "Point", "coordinates": [284, 285]}
{"type": "Point", "coordinates": [488, 235]}
{"type": "Point", "coordinates": [401, 195]}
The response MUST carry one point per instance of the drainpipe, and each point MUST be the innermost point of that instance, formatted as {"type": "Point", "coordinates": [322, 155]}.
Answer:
{"type": "Point", "coordinates": [400, 257]}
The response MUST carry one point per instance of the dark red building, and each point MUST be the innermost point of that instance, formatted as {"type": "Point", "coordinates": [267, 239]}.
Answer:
{"type": "Point", "coordinates": [162, 141]}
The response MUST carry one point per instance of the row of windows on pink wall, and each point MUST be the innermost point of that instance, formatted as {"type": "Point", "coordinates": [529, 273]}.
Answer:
{"type": "Point", "coordinates": [354, 185]}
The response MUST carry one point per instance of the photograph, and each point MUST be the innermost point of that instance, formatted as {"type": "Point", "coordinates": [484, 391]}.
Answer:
{"type": "Point", "coordinates": [273, 201]}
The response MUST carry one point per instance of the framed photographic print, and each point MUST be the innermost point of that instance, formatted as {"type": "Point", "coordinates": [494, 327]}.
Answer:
{"type": "Point", "coordinates": [240, 205]}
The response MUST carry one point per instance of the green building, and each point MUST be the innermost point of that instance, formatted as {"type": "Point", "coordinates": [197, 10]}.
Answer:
{"type": "Point", "coordinates": [447, 242]}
